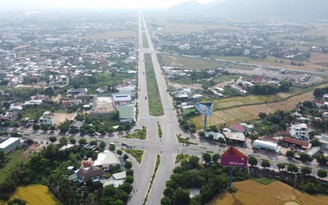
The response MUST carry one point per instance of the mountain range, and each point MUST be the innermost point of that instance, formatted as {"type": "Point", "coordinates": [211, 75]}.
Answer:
{"type": "Point", "coordinates": [298, 9]}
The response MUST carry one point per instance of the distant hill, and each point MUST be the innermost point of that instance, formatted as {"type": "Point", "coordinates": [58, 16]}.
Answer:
{"type": "Point", "coordinates": [301, 9]}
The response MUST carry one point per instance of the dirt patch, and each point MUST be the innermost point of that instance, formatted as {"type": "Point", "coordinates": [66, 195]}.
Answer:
{"type": "Point", "coordinates": [194, 85]}
{"type": "Point", "coordinates": [57, 98]}
{"type": "Point", "coordinates": [62, 117]}
{"type": "Point", "coordinates": [29, 150]}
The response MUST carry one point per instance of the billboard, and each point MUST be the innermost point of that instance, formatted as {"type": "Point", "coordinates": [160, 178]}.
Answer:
{"type": "Point", "coordinates": [234, 158]}
{"type": "Point", "coordinates": [205, 108]}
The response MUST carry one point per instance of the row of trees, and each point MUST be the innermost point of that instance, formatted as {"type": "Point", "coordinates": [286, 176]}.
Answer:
{"type": "Point", "coordinates": [292, 168]}
{"type": "Point", "coordinates": [269, 89]}
{"type": "Point", "coordinates": [211, 179]}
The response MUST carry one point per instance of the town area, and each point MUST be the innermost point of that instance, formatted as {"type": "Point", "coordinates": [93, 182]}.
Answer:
{"type": "Point", "coordinates": [115, 110]}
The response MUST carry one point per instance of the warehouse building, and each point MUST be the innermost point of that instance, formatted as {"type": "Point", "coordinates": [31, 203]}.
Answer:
{"type": "Point", "coordinates": [9, 144]}
{"type": "Point", "coordinates": [266, 145]}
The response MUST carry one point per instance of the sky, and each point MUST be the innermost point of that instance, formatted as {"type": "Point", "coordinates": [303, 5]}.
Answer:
{"type": "Point", "coordinates": [95, 3]}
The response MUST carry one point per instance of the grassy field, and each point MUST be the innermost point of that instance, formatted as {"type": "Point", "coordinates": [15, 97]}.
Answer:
{"type": "Point", "coordinates": [35, 195]}
{"type": "Point", "coordinates": [181, 157]}
{"type": "Point", "coordinates": [145, 40]}
{"type": "Point", "coordinates": [137, 154]}
{"type": "Point", "coordinates": [11, 160]}
{"type": "Point", "coordinates": [154, 99]}
{"type": "Point", "coordinates": [264, 181]}
{"type": "Point", "coordinates": [247, 108]}
{"type": "Point", "coordinates": [276, 193]}
{"type": "Point", "coordinates": [187, 62]}
{"type": "Point", "coordinates": [137, 134]}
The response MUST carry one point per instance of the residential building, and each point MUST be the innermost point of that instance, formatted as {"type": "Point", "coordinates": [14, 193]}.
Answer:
{"type": "Point", "coordinates": [9, 144]}
{"type": "Point", "coordinates": [235, 136]}
{"type": "Point", "coordinates": [287, 141]}
{"type": "Point", "coordinates": [127, 113]}
{"type": "Point", "coordinates": [93, 173]}
{"type": "Point", "coordinates": [47, 118]}
{"type": "Point", "coordinates": [323, 138]}
{"type": "Point", "coordinates": [300, 131]}
{"type": "Point", "coordinates": [107, 159]}
{"type": "Point", "coordinates": [235, 127]}
{"type": "Point", "coordinates": [76, 125]}
{"type": "Point", "coordinates": [314, 151]}
{"type": "Point", "coordinates": [216, 135]}
{"type": "Point", "coordinates": [9, 116]}
{"type": "Point", "coordinates": [121, 99]}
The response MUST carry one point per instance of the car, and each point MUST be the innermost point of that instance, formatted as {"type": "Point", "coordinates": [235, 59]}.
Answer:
{"type": "Point", "coordinates": [145, 97]}
{"type": "Point", "coordinates": [123, 144]}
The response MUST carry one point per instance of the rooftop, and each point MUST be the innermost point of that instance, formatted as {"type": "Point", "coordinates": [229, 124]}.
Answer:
{"type": "Point", "coordinates": [8, 142]}
{"type": "Point", "coordinates": [106, 157]}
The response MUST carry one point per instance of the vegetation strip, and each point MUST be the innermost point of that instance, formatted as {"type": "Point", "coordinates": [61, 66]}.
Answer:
{"type": "Point", "coordinates": [144, 40]}
{"type": "Point", "coordinates": [154, 98]}
{"type": "Point", "coordinates": [160, 132]}
{"type": "Point", "coordinates": [183, 140]}
{"type": "Point", "coordinates": [137, 154]}
{"type": "Point", "coordinates": [137, 134]}
{"type": "Point", "coordinates": [158, 161]}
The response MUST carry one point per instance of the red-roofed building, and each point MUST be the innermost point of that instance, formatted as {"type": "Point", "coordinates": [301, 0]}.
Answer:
{"type": "Point", "coordinates": [294, 142]}
{"type": "Point", "coordinates": [87, 163]}
{"type": "Point", "coordinates": [235, 127]}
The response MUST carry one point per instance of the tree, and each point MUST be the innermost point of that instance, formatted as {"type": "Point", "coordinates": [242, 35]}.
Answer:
{"type": "Point", "coordinates": [52, 139]}
{"type": "Point", "coordinates": [322, 160]}
{"type": "Point", "coordinates": [262, 115]}
{"type": "Point", "coordinates": [207, 157]}
{"type": "Point", "coordinates": [292, 168]}
{"type": "Point", "coordinates": [128, 165]}
{"type": "Point", "coordinates": [166, 201]}
{"type": "Point", "coordinates": [306, 170]}
{"type": "Point", "coordinates": [2, 156]}
{"type": "Point", "coordinates": [216, 157]}
{"type": "Point", "coordinates": [63, 141]}
{"type": "Point", "coordinates": [129, 179]}
{"type": "Point", "coordinates": [315, 143]}
{"type": "Point", "coordinates": [36, 127]}
{"type": "Point", "coordinates": [112, 147]}
{"type": "Point", "coordinates": [119, 152]}
{"type": "Point", "coordinates": [221, 140]}
{"type": "Point", "coordinates": [93, 142]}
{"type": "Point", "coordinates": [194, 162]}
{"type": "Point", "coordinates": [322, 173]}
{"type": "Point", "coordinates": [252, 161]}
{"type": "Point", "coordinates": [102, 146]}
{"type": "Point", "coordinates": [305, 157]}
{"type": "Point", "coordinates": [281, 166]}
{"type": "Point", "coordinates": [290, 154]}
{"type": "Point", "coordinates": [72, 140]}
{"type": "Point", "coordinates": [82, 141]}
{"type": "Point", "coordinates": [181, 197]}
{"type": "Point", "coordinates": [201, 134]}
{"type": "Point", "coordinates": [265, 163]}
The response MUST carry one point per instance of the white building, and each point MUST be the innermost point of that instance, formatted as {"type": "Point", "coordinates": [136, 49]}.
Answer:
{"type": "Point", "coordinates": [324, 141]}
{"type": "Point", "coordinates": [47, 118]}
{"type": "Point", "coordinates": [300, 131]}
{"type": "Point", "coordinates": [107, 159]}
{"type": "Point", "coordinates": [9, 144]}
{"type": "Point", "coordinates": [266, 145]}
